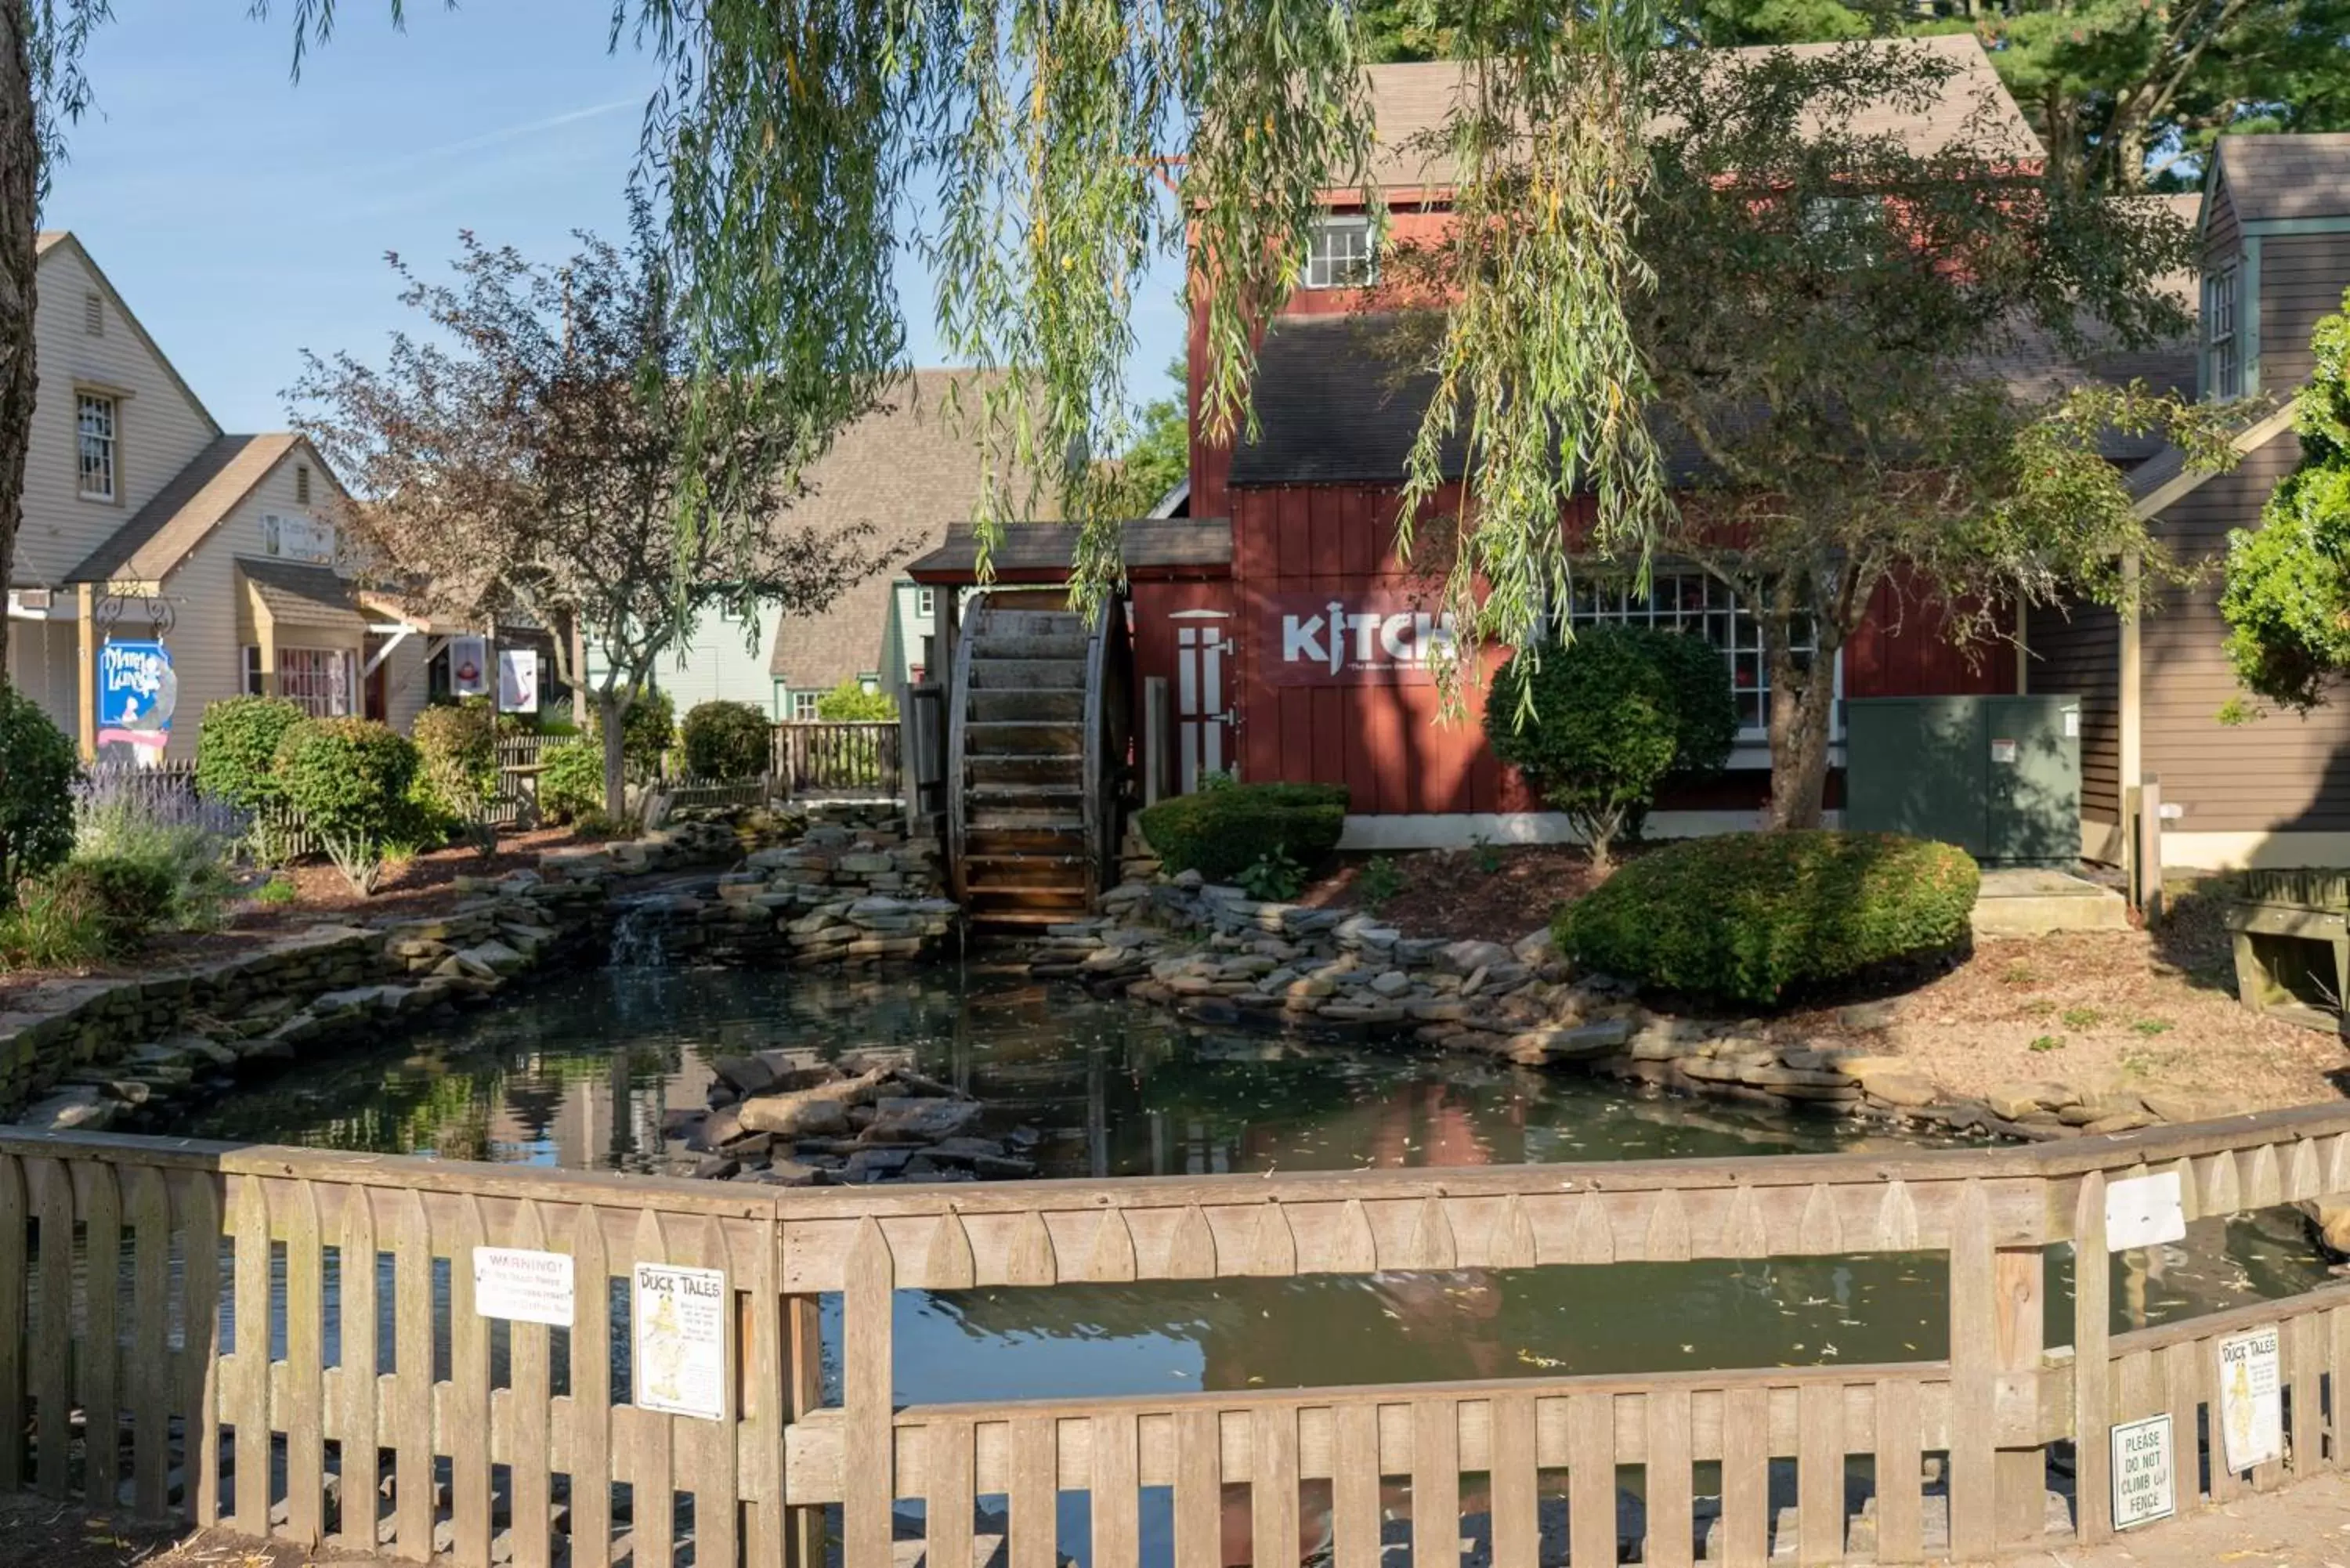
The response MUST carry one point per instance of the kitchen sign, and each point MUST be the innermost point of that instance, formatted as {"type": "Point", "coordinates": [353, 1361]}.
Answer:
{"type": "Point", "coordinates": [1355, 639]}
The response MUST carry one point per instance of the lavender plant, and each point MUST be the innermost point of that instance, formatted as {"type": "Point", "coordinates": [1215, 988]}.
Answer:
{"type": "Point", "coordinates": [157, 818]}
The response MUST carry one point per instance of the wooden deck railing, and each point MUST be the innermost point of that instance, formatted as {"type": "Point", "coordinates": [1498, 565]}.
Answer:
{"type": "Point", "coordinates": [152, 1360]}
{"type": "Point", "coordinates": [843, 760]}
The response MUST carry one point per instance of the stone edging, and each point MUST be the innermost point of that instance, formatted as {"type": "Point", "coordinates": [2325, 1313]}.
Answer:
{"type": "Point", "coordinates": [1217, 957]}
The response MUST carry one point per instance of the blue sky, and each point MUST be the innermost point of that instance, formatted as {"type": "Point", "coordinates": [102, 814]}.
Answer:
{"type": "Point", "coordinates": [244, 216]}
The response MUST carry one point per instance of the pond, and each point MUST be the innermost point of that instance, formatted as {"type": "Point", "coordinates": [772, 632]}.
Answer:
{"type": "Point", "coordinates": [581, 1072]}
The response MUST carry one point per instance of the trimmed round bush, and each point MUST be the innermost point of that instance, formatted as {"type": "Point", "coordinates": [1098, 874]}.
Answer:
{"type": "Point", "coordinates": [570, 780]}
{"type": "Point", "coordinates": [236, 748]}
{"type": "Point", "coordinates": [1220, 833]}
{"type": "Point", "coordinates": [1598, 724]}
{"type": "Point", "coordinates": [348, 777]}
{"type": "Point", "coordinates": [1746, 917]}
{"type": "Point", "coordinates": [37, 770]}
{"type": "Point", "coordinates": [457, 757]}
{"type": "Point", "coordinates": [725, 741]}
{"type": "Point", "coordinates": [648, 729]}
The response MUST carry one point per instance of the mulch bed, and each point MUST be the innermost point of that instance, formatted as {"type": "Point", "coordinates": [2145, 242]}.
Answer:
{"type": "Point", "coordinates": [423, 884]}
{"type": "Point", "coordinates": [1494, 894]}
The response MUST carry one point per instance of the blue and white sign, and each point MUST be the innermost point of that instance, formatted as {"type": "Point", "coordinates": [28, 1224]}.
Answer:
{"type": "Point", "coordinates": [136, 694]}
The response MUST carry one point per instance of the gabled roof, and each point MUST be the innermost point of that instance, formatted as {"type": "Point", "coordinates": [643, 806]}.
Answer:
{"type": "Point", "coordinates": [1410, 104]}
{"type": "Point", "coordinates": [57, 242]}
{"type": "Point", "coordinates": [2272, 177]}
{"type": "Point", "coordinates": [181, 515]}
{"type": "Point", "coordinates": [1146, 544]}
{"type": "Point", "coordinates": [909, 469]}
{"type": "Point", "coordinates": [2163, 480]}
{"type": "Point", "coordinates": [299, 592]}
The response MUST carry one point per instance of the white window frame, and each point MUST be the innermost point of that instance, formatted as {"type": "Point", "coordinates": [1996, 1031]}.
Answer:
{"type": "Point", "coordinates": [804, 705]}
{"type": "Point", "coordinates": [337, 667]}
{"type": "Point", "coordinates": [1341, 252]}
{"type": "Point", "coordinates": [926, 603]}
{"type": "Point", "coordinates": [1715, 614]}
{"type": "Point", "coordinates": [2223, 357]}
{"type": "Point", "coordinates": [102, 435]}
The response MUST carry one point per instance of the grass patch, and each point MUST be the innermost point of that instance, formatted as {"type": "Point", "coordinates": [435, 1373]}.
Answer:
{"type": "Point", "coordinates": [2019, 973]}
{"type": "Point", "coordinates": [2080, 1017]}
{"type": "Point", "coordinates": [2046, 1042]}
{"type": "Point", "coordinates": [2150, 1027]}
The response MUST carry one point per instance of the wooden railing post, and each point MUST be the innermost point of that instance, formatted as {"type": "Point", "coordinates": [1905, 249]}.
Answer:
{"type": "Point", "coordinates": [2093, 1397]}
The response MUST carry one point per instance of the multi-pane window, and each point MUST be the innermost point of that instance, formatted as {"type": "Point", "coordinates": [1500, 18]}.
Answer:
{"type": "Point", "coordinates": [97, 429]}
{"type": "Point", "coordinates": [318, 678]}
{"type": "Point", "coordinates": [2223, 350]}
{"type": "Point", "coordinates": [803, 707]}
{"type": "Point", "coordinates": [1339, 254]}
{"type": "Point", "coordinates": [926, 603]}
{"type": "Point", "coordinates": [1696, 603]}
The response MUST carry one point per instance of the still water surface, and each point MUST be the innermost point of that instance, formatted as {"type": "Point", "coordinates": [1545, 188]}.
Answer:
{"type": "Point", "coordinates": [579, 1072]}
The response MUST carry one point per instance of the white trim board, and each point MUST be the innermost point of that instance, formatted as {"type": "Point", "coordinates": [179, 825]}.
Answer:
{"type": "Point", "coordinates": [1464, 830]}
{"type": "Point", "coordinates": [2238, 851]}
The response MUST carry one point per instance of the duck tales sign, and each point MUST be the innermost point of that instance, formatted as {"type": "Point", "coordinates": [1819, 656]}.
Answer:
{"type": "Point", "coordinates": [1355, 639]}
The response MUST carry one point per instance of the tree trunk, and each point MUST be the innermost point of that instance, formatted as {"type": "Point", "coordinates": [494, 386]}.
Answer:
{"type": "Point", "coordinates": [20, 174]}
{"type": "Point", "coordinates": [1803, 701]}
{"type": "Point", "coordinates": [611, 713]}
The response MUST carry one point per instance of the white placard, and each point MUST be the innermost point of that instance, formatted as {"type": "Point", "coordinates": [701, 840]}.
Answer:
{"type": "Point", "coordinates": [2144, 1211]}
{"type": "Point", "coordinates": [2143, 1488]}
{"type": "Point", "coordinates": [469, 667]}
{"type": "Point", "coordinates": [2252, 1402]}
{"type": "Point", "coordinates": [680, 1319]}
{"type": "Point", "coordinates": [2072, 723]}
{"type": "Point", "coordinates": [517, 680]}
{"type": "Point", "coordinates": [2003, 752]}
{"type": "Point", "coordinates": [525, 1286]}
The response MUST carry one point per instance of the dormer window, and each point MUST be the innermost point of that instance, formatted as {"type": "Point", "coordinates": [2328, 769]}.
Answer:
{"type": "Point", "coordinates": [2223, 356]}
{"type": "Point", "coordinates": [1338, 253]}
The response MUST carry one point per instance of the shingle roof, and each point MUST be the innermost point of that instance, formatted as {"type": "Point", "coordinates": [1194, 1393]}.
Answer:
{"type": "Point", "coordinates": [1409, 103]}
{"type": "Point", "coordinates": [1147, 541]}
{"type": "Point", "coordinates": [2298, 176]}
{"type": "Point", "coordinates": [304, 594]}
{"type": "Point", "coordinates": [909, 470]}
{"type": "Point", "coordinates": [160, 534]}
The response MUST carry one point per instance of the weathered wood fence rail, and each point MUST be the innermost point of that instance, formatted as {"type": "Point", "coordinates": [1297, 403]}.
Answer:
{"type": "Point", "coordinates": [189, 1329]}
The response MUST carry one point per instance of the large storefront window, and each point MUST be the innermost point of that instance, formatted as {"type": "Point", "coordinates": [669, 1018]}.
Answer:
{"type": "Point", "coordinates": [1694, 602]}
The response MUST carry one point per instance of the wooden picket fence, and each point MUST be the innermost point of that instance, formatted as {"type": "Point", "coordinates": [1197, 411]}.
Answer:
{"type": "Point", "coordinates": [838, 760]}
{"type": "Point", "coordinates": [152, 1361]}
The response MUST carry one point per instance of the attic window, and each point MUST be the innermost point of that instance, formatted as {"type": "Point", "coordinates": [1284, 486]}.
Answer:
{"type": "Point", "coordinates": [93, 315]}
{"type": "Point", "coordinates": [95, 426]}
{"type": "Point", "coordinates": [301, 484]}
{"type": "Point", "coordinates": [2223, 355]}
{"type": "Point", "coordinates": [1338, 253]}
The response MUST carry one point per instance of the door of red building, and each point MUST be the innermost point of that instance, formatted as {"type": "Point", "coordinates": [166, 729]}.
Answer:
{"type": "Point", "coordinates": [1202, 716]}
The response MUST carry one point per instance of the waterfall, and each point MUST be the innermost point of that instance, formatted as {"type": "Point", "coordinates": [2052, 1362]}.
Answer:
{"type": "Point", "coordinates": [640, 936]}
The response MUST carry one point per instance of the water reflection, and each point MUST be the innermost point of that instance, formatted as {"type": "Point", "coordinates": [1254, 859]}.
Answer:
{"type": "Point", "coordinates": [582, 1074]}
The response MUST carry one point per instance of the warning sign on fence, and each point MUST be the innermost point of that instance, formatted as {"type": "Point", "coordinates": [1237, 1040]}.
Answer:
{"type": "Point", "coordinates": [2143, 1489]}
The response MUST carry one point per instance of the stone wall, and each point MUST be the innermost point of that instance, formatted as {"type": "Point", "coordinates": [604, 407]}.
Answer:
{"type": "Point", "coordinates": [1220, 958]}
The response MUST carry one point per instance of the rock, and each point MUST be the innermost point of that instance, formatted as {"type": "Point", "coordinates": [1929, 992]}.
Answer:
{"type": "Point", "coordinates": [817, 1111]}
{"type": "Point", "coordinates": [1535, 1047]}
{"type": "Point", "coordinates": [76, 1110]}
{"type": "Point", "coordinates": [2014, 1102]}
{"type": "Point", "coordinates": [2329, 1222]}
{"type": "Point", "coordinates": [1866, 1017]}
{"type": "Point", "coordinates": [907, 1119]}
{"type": "Point", "coordinates": [1468, 957]}
{"type": "Point", "coordinates": [2189, 1106]}
{"type": "Point", "coordinates": [746, 1076]}
{"type": "Point", "coordinates": [1393, 983]}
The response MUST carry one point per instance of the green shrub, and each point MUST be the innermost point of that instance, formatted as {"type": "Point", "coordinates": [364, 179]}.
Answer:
{"type": "Point", "coordinates": [849, 703]}
{"type": "Point", "coordinates": [45, 926]}
{"type": "Point", "coordinates": [1595, 725]}
{"type": "Point", "coordinates": [570, 780]}
{"type": "Point", "coordinates": [126, 897]}
{"type": "Point", "coordinates": [1746, 916]}
{"type": "Point", "coordinates": [350, 778]}
{"type": "Point", "coordinates": [648, 729]}
{"type": "Point", "coordinates": [725, 741]}
{"type": "Point", "coordinates": [457, 757]}
{"type": "Point", "coordinates": [196, 843]}
{"type": "Point", "coordinates": [1273, 878]}
{"type": "Point", "coordinates": [236, 748]}
{"type": "Point", "coordinates": [277, 890]}
{"type": "Point", "coordinates": [1220, 833]}
{"type": "Point", "coordinates": [37, 770]}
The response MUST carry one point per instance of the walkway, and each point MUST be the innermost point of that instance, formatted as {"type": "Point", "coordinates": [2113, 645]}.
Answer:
{"type": "Point", "coordinates": [2303, 1526]}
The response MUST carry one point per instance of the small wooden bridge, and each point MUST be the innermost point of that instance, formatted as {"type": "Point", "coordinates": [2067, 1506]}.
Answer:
{"type": "Point", "coordinates": [190, 1329]}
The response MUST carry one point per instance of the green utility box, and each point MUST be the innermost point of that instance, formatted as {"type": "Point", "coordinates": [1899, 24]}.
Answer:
{"type": "Point", "coordinates": [1998, 776]}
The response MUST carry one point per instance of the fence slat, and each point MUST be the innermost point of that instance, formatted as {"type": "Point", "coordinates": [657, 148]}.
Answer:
{"type": "Point", "coordinates": [529, 1377]}
{"type": "Point", "coordinates": [1355, 1492]}
{"type": "Point", "coordinates": [1746, 1477]}
{"type": "Point", "coordinates": [1117, 1490]}
{"type": "Point", "coordinates": [362, 1484]}
{"type": "Point", "coordinates": [1517, 1518]}
{"type": "Point", "coordinates": [2092, 1363]}
{"type": "Point", "coordinates": [99, 1199]}
{"type": "Point", "coordinates": [1899, 1505]}
{"type": "Point", "coordinates": [2337, 1342]}
{"type": "Point", "coordinates": [1591, 1479]}
{"type": "Point", "coordinates": [591, 1412]}
{"type": "Point", "coordinates": [1272, 1485]}
{"type": "Point", "coordinates": [413, 1477]}
{"type": "Point", "coordinates": [1672, 1483]}
{"type": "Point", "coordinates": [246, 1395]}
{"type": "Point", "coordinates": [15, 1248]}
{"type": "Point", "coordinates": [2183, 1379]}
{"type": "Point", "coordinates": [1199, 1489]}
{"type": "Point", "coordinates": [150, 1361]}
{"type": "Point", "coordinates": [710, 1450]}
{"type": "Point", "coordinates": [53, 1343]}
{"type": "Point", "coordinates": [653, 1490]}
{"type": "Point", "coordinates": [469, 1390]}
{"type": "Point", "coordinates": [1819, 1474]}
{"type": "Point", "coordinates": [866, 1372]}
{"type": "Point", "coordinates": [199, 1194]}
{"type": "Point", "coordinates": [947, 1510]}
{"type": "Point", "coordinates": [1034, 1492]}
{"type": "Point", "coordinates": [1973, 1357]}
{"type": "Point", "coordinates": [2304, 1359]}
{"type": "Point", "coordinates": [1435, 1482]}
{"type": "Point", "coordinates": [306, 1356]}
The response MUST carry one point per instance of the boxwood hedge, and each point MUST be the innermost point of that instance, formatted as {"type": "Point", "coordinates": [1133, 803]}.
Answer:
{"type": "Point", "coordinates": [1748, 916]}
{"type": "Point", "coordinates": [1220, 833]}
